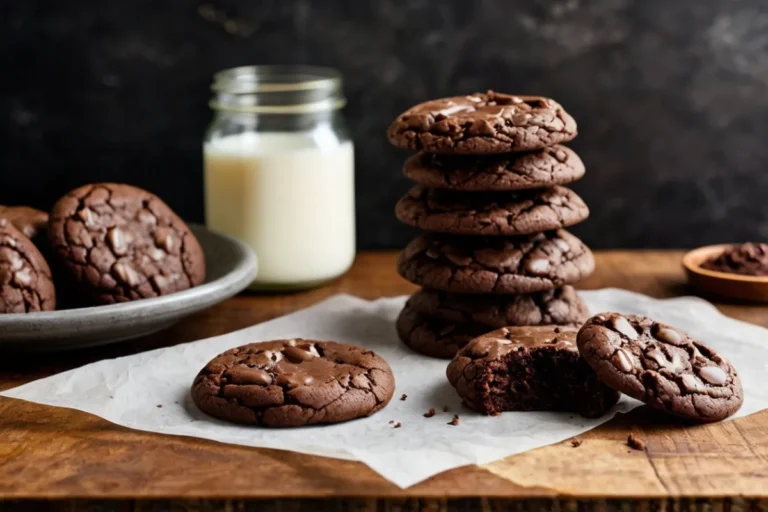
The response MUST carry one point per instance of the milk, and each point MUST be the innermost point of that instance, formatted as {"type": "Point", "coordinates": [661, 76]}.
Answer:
{"type": "Point", "coordinates": [290, 200]}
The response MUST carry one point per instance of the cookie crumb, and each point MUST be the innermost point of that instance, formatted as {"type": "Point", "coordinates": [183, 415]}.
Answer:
{"type": "Point", "coordinates": [398, 425]}
{"type": "Point", "coordinates": [445, 408]}
{"type": "Point", "coordinates": [391, 422]}
{"type": "Point", "coordinates": [576, 442]}
{"type": "Point", "coordinates": [635, 442]}
{"type": "Point", "coordinates": [159, 406]}
{"type": "Point", "coordinates": [454, 421]}
{"type": "Point", "coordinates": [429, 413]}
{"type": "Point", "coordinates": [495, 413]}
{"type": "Point", "coordinates": [403, 398]}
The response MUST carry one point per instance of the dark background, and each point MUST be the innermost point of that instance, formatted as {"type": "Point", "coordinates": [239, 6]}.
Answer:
{"type": "Point", "coordinates": [671, 97]}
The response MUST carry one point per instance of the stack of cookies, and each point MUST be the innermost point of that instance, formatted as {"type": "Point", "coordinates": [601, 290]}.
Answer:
{"type": "Point", "coordinates": [490, 199]}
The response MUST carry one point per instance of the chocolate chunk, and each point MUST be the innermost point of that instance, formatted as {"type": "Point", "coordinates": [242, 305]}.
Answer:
{"type": "Point", "coordinates": [482, 123]}
{"type": "Point", "coordinates": [670, 371]}
{"type": "Point", "coordinates": [576, 442]}
{"type": "Point", "coordinates": [528, 369]}
{"type": "Point", "coordinates": [289, 383]}
{"type": "Point", "coordinates": [122, 243]}
{"type": "Point", "coordinates": [403, 397]}
{"type": "Point", "coordinates": [429, 413]}
{"type": "Point", "coordinates": [455, 421]}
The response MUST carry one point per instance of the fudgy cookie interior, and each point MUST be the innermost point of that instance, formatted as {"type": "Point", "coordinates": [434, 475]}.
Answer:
{"type": "Point", "coordinates": [542, 378]}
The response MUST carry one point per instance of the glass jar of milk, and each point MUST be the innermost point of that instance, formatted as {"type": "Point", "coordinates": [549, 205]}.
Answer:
{"type": "Point", "coordinates": [279, 172]}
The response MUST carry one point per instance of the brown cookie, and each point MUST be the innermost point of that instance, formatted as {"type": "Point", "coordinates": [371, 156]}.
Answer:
{"type": "Point", "coordinates": [491, 213]}
{"type": "Point", "coordinates": [505, 265]}
{"type": "Point", "coordinates": [482, 124]}
{"type": "Point", "coordinates": [547, 167]}
{"type": "Point", "coordinates": [661, 366]}
{"type": "Point", "coordinates": [25, 278]}
{"type": "Point", "coordinates": [561, 306]}
{"type": "Point", "coordinates": [290, 383]}
{"type": "Point", "coordinates": [434, 337]}
{"type": "Point", "coordinates": [528, 369]}
{"type": "Point", "coordinates": [123, 243]}
{"type": "Point", "coordinates": [29, 221]}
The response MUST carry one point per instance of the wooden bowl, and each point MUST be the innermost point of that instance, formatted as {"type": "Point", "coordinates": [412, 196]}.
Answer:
{"type": "Point", "coordinates": [722, 284]}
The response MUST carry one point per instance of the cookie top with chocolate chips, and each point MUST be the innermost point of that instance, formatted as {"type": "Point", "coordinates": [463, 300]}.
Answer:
{"type": "Point", "coordinates": [25, 278]}
{"type": "Point", "coordinates": [123, 243]}
{"type": "Point", "coordinates": [504, 265]}
{"type": "Point", "coordinates": [491, 213]}
{"type": "Point", "coordinates": [290, 383]}
{"type": "Point", "coordinates": [661, 366]}
{"type": "Point", "coordinates": [482, 123]}
{"type": "Point", "coordinates": [556, 165]}
{"type": "Point", "coordinates": [26, 219]}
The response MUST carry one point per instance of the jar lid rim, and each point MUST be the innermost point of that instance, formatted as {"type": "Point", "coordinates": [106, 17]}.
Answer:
{"type": "Point", "coordinates": [275, 78]}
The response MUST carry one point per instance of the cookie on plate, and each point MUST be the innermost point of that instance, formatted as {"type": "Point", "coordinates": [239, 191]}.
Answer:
{"type": "Point", "coordinates": [528, 369]}
{"type": "Point", "coordinates": [434, 337]}
{"type": "Point", "coordinates": [661, 366]}
{"type": "Point", "coordinates": [122, 243]}
{"type": "Point", "coordinates": [491, 213]}
{"type": "Point", "coordinates": [556, 165]}
{"type": "Point", "coordinates": [561, 306]}
{"type": "Point", "coordinates": [482, 123]}
{"type": "Point", "coordinates": [30, 221]}
{"type": "Point", "coordinates": [503, 265]}
{"type": "Point", "coordinates": [290, 383]}
{"type": "Point", "coordinates": [25, 278]}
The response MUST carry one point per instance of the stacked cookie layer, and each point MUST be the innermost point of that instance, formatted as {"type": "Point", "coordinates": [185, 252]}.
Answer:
{"type": "Point", "coordinates": [490, 199]}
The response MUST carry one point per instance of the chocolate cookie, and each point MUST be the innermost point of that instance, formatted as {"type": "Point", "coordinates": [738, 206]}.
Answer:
{"type": "Point", "coordinates": [550, 166]}
{"type": "Point", "coordinates": [434, 337]}
{"type": "Point", "coordinates": [528, 369]}
{"type": "Point", "coordinates": [290, 383]}
{"type": "Point", "coordinates": [561, 306]}
{"type": "Point", "coordinates": [661, 366]}
{"type": "Point", "coordinates": [749, 259]}
{"type": "Point", "coordinates": [123, 243]}
{"type": "Point", "coordinates": [25, 278]}
{"type": "Point", "coordinates": [482, 124]}
{"type": "Point", "coordinates": [491, 213]}
{"type": "Point", "coordinates": [29, 221]}
{"type": "Point", "coordinates": [506, 265]}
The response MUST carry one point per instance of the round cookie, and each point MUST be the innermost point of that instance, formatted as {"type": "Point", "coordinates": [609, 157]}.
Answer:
{"type": "Point", "coordinates": [491, 213]}
{"type": "Point", "coordinates": [528, 369]}
{"type": "Point", "coordinates": [25, 278]}
{"type": "Point", "coordinates": [482, 123]}
{"type": "Point", "coordinates": [29, 221]}
{"type": "Point", "coordinates": [504, 265]}
{"type": "Point", "coordinates": [291, 383]}
{"type": "Point", "coordinates": [561, 306]}
{"type": "Point", "coordinates": [550, 166]}
{"type": "Point", "coordinates": [661, 366]}
{"type": "Point", "coordinates": [433, 337]}
{"type": "Point", "coordinates": [122, 243]}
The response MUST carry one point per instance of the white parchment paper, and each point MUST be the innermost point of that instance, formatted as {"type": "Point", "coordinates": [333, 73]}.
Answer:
{"type": "Point", "coordinates": [127, 390]}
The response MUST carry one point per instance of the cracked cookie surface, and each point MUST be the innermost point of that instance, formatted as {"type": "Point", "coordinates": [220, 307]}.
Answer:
{"type": "Point", "coordinates": [561, 306]}
{"type": "Point", "coordinates": [434, 337]}
{"type": "Point", "coordinates": [502, 265]}
{"type": "Point", "coordinates": [25, 278]}
{"type": "Point", "coordinates": [661, 366]}
{"type": "Point", "coordinates": [122, 243]}
{"type": "Point", "coordinates": [491, 213]}
{"type": "Point", "coordinates": [290, 383]}
{"type": "Point", "coordinates": [533, 368]}
{"type": "Point", "coordinates": [556, 165]}
{"type": "Point", "coordinates": [482, 123]}
{"type": "Point", "coordinates": [28, 220]}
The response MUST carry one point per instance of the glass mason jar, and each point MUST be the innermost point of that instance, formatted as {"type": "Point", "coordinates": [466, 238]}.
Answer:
{"type": "Point", "coordinates": [279, 172]}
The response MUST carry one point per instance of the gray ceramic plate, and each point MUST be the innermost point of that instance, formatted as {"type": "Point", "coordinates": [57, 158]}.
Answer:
{"type": "Point", "coordinates": [231, 266]}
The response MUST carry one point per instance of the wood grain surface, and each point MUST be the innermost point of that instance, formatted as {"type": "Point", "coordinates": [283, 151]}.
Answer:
{"type": "Point", "coordinates": [51, 453]}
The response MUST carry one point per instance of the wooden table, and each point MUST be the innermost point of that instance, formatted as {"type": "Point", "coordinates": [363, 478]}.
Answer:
{"type": "Point", "coordinates": [49, 453]}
